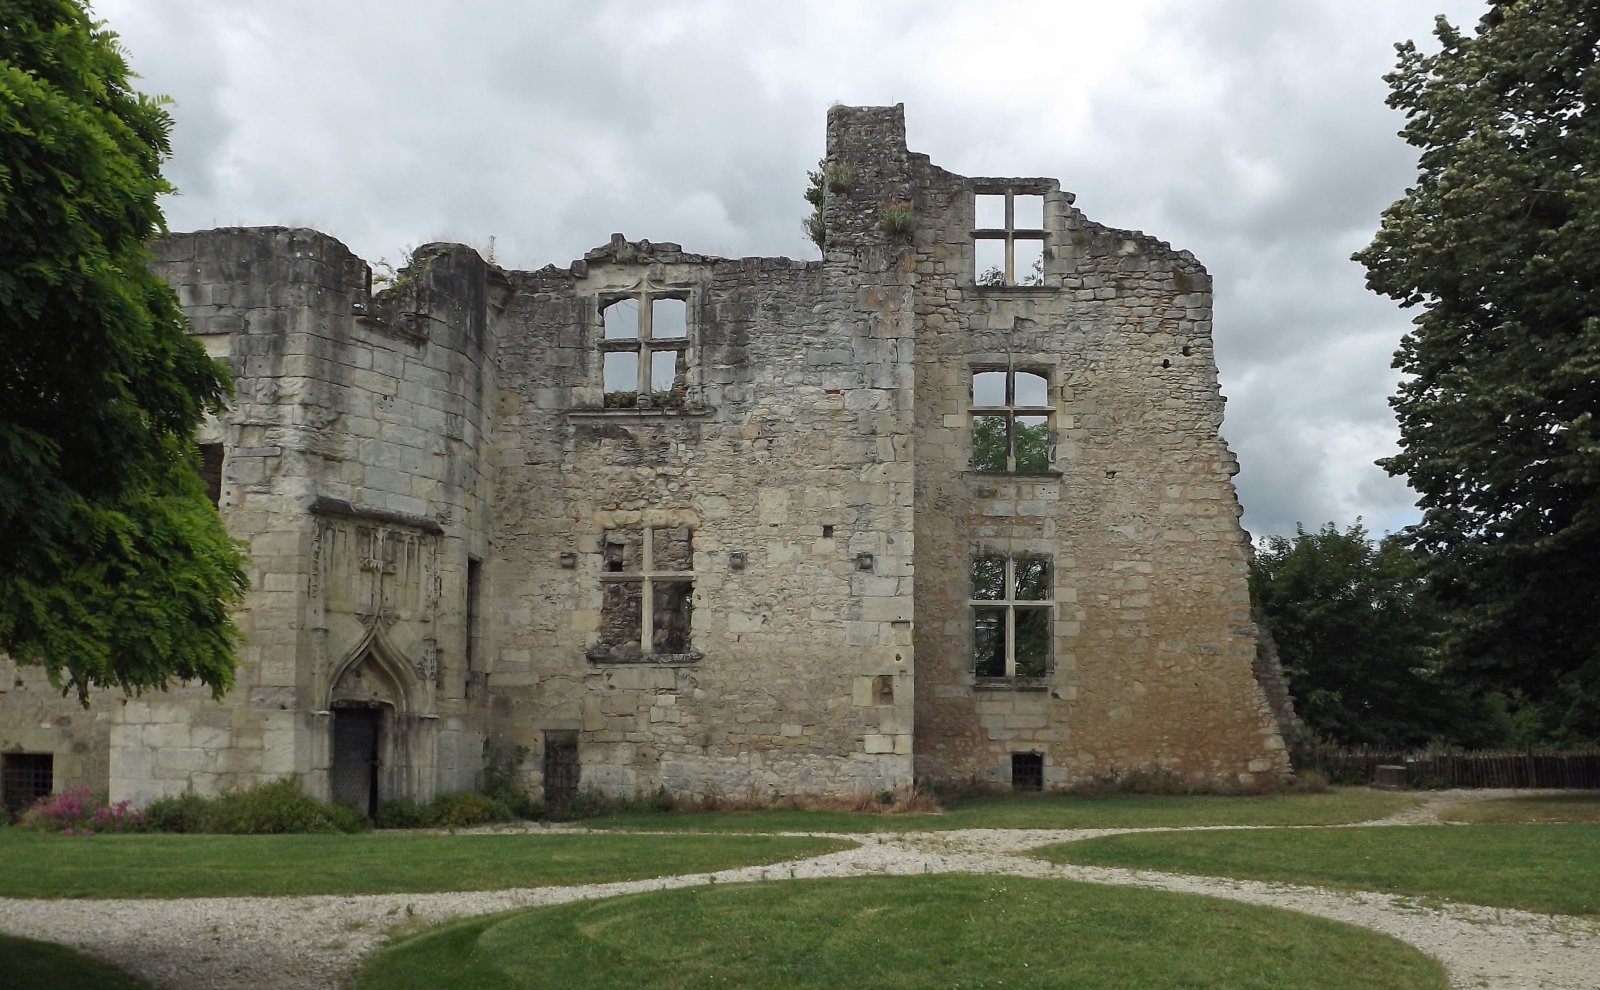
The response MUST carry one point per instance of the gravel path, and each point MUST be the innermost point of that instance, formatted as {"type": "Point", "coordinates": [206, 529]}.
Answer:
{"type": "Point", "coordinates": [309, 943]}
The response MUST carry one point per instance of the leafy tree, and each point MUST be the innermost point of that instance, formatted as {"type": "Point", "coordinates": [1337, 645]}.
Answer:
{"type": "Point", "coordinates": [1356, 635]}
{"type": "Point", "coordinates": [817, 195]}
{"type": "Point", "coordinates": [115, 570]}
{"type": "Point", "coordinates": [1498, 244]}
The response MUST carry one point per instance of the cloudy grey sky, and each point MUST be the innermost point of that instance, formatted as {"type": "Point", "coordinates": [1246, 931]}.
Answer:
{"type": "Point", "coordinates": [1252, 132]}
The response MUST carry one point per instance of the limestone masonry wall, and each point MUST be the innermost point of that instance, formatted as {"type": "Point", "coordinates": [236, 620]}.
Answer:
{"type": "Point", "coordinates": [949, 504]}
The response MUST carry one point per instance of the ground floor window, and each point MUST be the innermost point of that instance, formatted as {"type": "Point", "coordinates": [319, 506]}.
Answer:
{"type": "Point", "coordinates": [25, 778]}
{"type": "Point", "coordinates": [1027, 771]}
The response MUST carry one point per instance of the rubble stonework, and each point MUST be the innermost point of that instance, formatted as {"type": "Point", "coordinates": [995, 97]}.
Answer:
{"type": "Point", "coordinates": [659, 519]}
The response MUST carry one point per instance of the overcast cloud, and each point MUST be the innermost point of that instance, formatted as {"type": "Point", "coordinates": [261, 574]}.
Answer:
{"type": "Point", "coordinates": [1252, 132]}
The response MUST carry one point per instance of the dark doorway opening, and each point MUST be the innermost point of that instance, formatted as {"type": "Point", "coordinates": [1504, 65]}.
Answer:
{"type": "Point", "coordinates": [353, 777]}
{"type": "Point", "coordinates": [560, 767]}
{"type": "Point", "coordinates": [1027, 771]}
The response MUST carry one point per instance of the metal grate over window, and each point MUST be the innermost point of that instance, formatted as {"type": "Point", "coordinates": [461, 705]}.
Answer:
{"type": "Point", "coordinates": [25, 778]}
{"type": "Point", "coordinates": [1027, 771]}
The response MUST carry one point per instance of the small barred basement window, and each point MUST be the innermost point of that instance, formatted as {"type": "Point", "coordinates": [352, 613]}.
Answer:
{"type": "Point", "coordinates": [1027, 771]}
{"type": "Point", "coordinates": [25, 778]}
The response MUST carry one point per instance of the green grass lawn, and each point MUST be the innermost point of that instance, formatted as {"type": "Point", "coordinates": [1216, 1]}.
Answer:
{"type": "Point", "coordinates": [902, 932]}
{"type": "Point", "coordinates": [1580, 806]}
{"type": "Point", "coordinates": [374, 863]}
{"type": "Point", "coordinates": [1547, 868]}
{"type": "Point", "coordinates": [1045, 811]}
{"type": "Point", "coordinates": [26, 963]}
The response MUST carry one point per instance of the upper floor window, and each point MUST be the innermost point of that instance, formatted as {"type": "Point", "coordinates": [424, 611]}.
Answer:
{"type": "Point", "coordinates": [644, 349]}
{"type": "Point", "coordinates": [1011, 608]}
{"type": "Point", "coordinates": [1008, 239]}
{"type": "Point", "coordinates": [647, 586]}
{"type": "Point", "coordinates": [211, 471]}
{"type": "Point", "coordinates": [1010, 414]}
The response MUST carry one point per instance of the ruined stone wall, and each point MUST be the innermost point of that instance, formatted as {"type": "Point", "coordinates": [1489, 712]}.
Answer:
{"type": "Point", "coordinates": [35, 718]}
{"type": "Point", "coordinates": [352, 434]}
{"type": "Point", "coordinates": [658, 519]}
{"type": "Point", "coordinates": [1150, 640]}
{"type": "Point", "coordinates": [783, 458]}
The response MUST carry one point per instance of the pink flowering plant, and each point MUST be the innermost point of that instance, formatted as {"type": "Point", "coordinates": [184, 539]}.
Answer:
{"type": "Point", "coordinates": [78, 812]}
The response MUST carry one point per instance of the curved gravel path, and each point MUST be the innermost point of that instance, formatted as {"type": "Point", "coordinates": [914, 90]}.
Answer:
{"type": "Point", "coordinates": [310, 943]}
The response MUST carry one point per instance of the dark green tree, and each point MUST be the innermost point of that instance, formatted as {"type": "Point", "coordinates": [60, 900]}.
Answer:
{"type": "Point", "coordinates": [1498, 247]}
{"type": "Point", "coordinates": [115, 570]}
{"type": "Point", "coordinates": [817, 195]}
{"type": "Point", "coordinates": [1357, 637]}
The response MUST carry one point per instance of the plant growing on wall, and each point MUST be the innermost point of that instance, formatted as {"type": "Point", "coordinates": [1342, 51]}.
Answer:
{"type": "Point", "coordinates": [817, 195]}
{"type": "Point", "coordinates": [836, 178]}
{"type": "Point", "coordinates": [897, 220]}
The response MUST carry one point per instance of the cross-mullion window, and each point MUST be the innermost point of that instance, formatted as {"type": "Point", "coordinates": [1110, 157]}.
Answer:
{"type": "Point", "coordinates": [1011, 610]}
{"type": "Point", "coordinates": [1011, 415]}
{"type": "Point", "coordinates": [1008, 239]}
{"type": "Point", "coordinates": [644, 348]}
{"type": "Point", "coordinates": [647, 582]}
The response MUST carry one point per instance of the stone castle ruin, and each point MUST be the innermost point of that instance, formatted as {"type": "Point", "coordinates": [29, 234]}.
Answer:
{"type": "Point", "coordinates": [949, 504]}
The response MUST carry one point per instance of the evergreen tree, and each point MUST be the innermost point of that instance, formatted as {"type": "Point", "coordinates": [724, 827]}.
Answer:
{"type": "Point", "coordinates": [1498, 246]}
{"type": "Point", "coordinates": [115, 570]}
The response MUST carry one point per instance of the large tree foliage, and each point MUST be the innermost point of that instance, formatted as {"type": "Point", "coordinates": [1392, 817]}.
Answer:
{"type": "Point", "coordinates": [115, 570]}
{"type": "Point", "coordinates": [1498, 246]}
{"type": "Point", "coordinates": [1357, 636]}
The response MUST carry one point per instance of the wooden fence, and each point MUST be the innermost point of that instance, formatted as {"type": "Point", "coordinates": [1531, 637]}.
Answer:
{"type": "Point", "coordinates": [1455, 767]}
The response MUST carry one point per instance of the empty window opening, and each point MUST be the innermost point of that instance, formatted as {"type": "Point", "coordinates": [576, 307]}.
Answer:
{"type": "Point", "coordinates": [989, 211]}
{"type": "Point", "coordinates": [989, 260]}
{"type": "Point", "coordinates": [622, 320]}
{"type": "Point", "coordinates": [25, 778]}
{"type": "Point", "coordinates": [1008, 239]}
{"type": "Point", "coordinates": [1011, 416]}
{"type": "Point", "coordinates": [211, 471]}
{"type": "Point", "coordinates": [1028, 212]}
{"type": "Point", "coordinates": [883, 689]}
{"type": "Point", "coordinates": [1027, 771]}
{"type": "Point", "coordinates": [474, 597]}
{"type": "Point", "coordinates": [645, 350]}
{"type": "Point", "coordinates": [669, 318]}
{"type": "Point", "coordinates": [1011, 609]}
{"type": "Point", "coordinates": [620, 375]}
{"type": "Point", "coordinates": [827, 532]}
{"type": "Point", "coordinates": [1028, 262]}
{"type": "Point", "coordinates": [647, 591]}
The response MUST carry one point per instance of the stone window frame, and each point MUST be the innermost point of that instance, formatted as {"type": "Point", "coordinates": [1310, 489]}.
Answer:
{"type": "Point", "coordinates": [1011, 410]}
{"type": "Point", "coordinates": [1010, 677]}
{"type": "Point", "coordinates": [645, 345]}
{"type": "Point", "coordinates": [647, 576]}
{"type": "Point", "coordinates": [1009, 234]}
